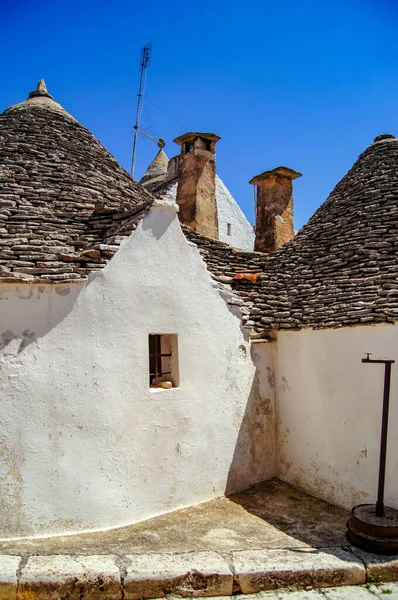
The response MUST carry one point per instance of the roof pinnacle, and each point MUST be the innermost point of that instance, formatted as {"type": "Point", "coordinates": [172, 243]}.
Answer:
{"type": "Point", "coordinates": [384, 137]}
{"type": "Point", "coordinates": [41, 90]}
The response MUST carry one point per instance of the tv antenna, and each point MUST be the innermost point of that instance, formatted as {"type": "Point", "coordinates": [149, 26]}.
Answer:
{"type": "Point", "coordinates": [144, 63]}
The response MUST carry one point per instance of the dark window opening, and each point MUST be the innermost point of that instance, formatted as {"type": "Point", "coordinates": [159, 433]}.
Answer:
{"type": "Point", "coordinates": [208, 145]}
{"type": "Point", "coordinates": [229, 228]}
{"type": "Point", "coordinates": [188, 147]}
{"type": "Point", "coordinates": [163, 361]}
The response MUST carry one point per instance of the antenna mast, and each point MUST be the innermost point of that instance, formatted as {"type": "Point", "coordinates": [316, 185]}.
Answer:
{"type": "Point", "coordinates": [145, 59]}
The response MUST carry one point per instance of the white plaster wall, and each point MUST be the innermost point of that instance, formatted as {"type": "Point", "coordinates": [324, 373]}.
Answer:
{"type": "Point", "coordinates": [28, 312]}
{"type": "Point", "coordinates": [329, 412]}
{"type": "Point", "coordinates": [170, 194]}
{"type": "Point", "coordinates": [85, 443]}
{"type": "Point", "coordinates": [242, 235]}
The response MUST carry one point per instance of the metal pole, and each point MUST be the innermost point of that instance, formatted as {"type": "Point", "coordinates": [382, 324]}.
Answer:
{"type": "Point", "coordinates": [145, 56]}
{"type": "Point", "coordinates": [137, 119]}
{"type": "Point", "coordinates": [383, 441]}
{"type": "Point", "coordinates": [384, 429]}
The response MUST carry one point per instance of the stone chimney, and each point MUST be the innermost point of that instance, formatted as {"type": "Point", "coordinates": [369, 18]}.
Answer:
{"type": "Point", "coordinates": [196, 190]}
{"type": "Point", "coordinates": [274, 208]}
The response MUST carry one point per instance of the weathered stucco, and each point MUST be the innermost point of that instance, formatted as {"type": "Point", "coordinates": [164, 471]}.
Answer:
{"type": "Point", "coordinates": [274, 208]}
{"type": "Point", "coordinates": [329, 412]}
{"type": "Point", "coordinates": [274, 214]}
{"type": "Point", "coordinates": [85, 443]}
{"type": "Point", "coordinates": [196, 190]}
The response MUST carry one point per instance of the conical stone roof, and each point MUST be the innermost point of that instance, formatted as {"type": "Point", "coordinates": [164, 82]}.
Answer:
{"type": "Point", "coordinates": [60, 192]}
{"type": "Point", "coordinates": [65, 205]}
{"type": "Point", "coordinates": [341, 269]}
{"type": "Point", "coordinates": [157, 170]}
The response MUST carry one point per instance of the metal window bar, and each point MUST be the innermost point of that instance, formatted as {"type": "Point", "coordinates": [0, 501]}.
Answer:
{"type": "Point", "coordinates": [155, 359]}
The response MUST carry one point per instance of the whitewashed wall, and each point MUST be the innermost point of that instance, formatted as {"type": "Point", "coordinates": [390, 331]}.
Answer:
{"type": "Point", "coordinates": [28, 312]}
{"type": "Point", "coordinates": [242, 235]}
{"type": "Point", "coordinates": [85, 444]}
{"type": "Point", "coordinates": [329, 412]}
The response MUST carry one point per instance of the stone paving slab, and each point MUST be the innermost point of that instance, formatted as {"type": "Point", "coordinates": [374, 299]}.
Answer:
{"type": "Point", "coordinates": [72, 577]}
{"type": "Point", "coordinates": [379, 567]}
{"type": "Point", "coordinates": [196, 574]}
{"type": "Point", "coordinates": [387, 590]}
{"type": "Point", "coordinates": [271, 534]}
{"type": "Point", "coordinates": [257, 570]}
{"type": "Point", "coordinates": [191, 574]}
{"type": "Point", "coordinates": [9, 566]}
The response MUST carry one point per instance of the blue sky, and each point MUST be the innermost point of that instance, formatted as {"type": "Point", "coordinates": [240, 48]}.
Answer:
{"type": "Point", "coordinates": [303, 84]}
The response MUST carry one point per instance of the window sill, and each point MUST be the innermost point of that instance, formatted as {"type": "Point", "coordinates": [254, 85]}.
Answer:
{"type": "Point", "coordinates": [159, 389]}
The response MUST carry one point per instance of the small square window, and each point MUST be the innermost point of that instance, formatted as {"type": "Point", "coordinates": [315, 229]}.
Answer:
{"type": "Point", "coordinates": [229, 228]}
{"type": "Point", "coordinates": [163, 361]}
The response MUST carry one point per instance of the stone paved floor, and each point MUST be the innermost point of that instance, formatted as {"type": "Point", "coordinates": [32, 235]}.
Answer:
{"type": "Point", "coordinates": [272, 535]}
{"type": "Point", "coordinates": [270, 515]}
{"type": "Point", "coordinates": [354, 592]}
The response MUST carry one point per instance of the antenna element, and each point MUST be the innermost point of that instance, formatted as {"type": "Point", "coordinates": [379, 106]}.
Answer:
{"type": "Point", "coordinates": [144, 63]}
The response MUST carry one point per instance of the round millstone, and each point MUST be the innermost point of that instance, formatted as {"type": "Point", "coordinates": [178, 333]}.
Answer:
{"type": "Point", "coordinates": [364, 522]}
{"type": "Point", "coordinates": [367, 514]}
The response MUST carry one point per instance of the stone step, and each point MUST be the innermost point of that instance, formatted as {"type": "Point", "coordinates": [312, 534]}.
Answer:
{"type": "Point", "coordinates": [191, 574]}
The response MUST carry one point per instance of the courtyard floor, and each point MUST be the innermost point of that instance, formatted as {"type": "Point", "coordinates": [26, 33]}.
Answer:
{"type": "Point", "coordinates": [270, 536]}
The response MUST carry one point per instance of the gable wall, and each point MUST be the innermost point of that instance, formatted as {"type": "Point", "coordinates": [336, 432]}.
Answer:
{"type": "Point", "coordinates": [85, 443]}
{"type": "Point", "coordinates": [329, 412]}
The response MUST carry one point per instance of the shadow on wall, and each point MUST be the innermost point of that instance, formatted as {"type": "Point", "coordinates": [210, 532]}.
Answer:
{"type": "Point", "coordinates": [254, 458]}
{"type": "Point", "coordinates": [29, 311]}
{"type": "Point", "coordinates": [160, 222]}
